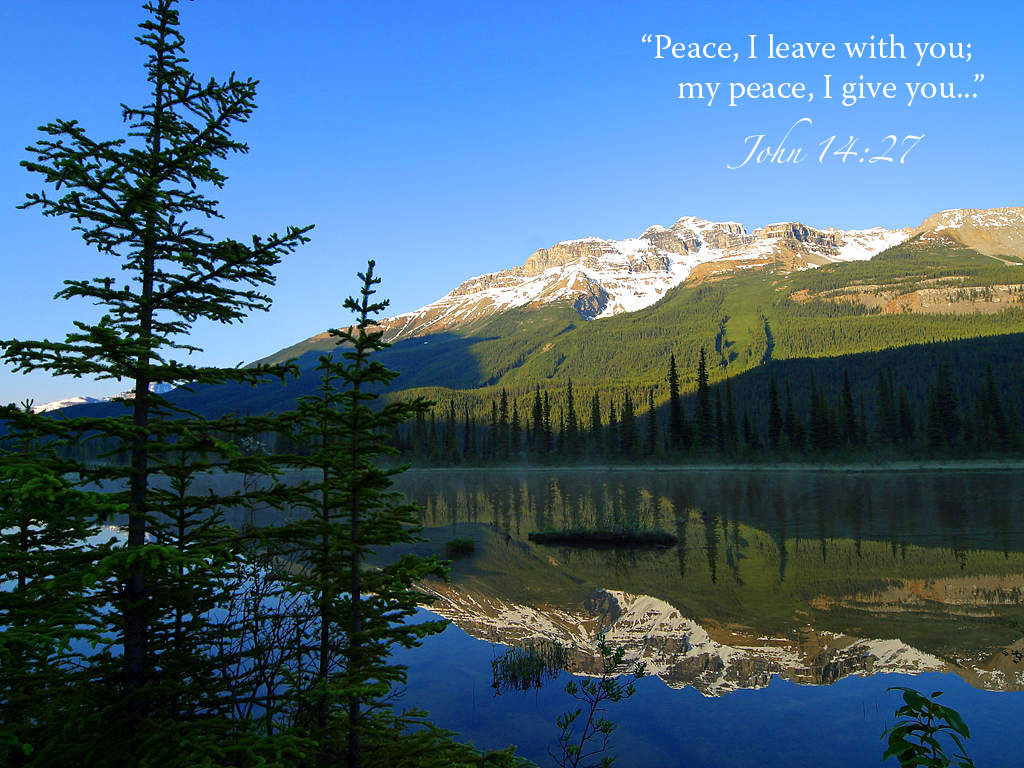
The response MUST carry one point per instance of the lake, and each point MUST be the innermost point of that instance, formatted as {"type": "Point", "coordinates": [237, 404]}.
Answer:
{"type": "Point", "coordinates": [793, 600]}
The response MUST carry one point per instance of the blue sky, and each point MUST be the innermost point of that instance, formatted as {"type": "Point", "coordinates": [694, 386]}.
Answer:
{"type": "Point", "coordinates": [447, 139]}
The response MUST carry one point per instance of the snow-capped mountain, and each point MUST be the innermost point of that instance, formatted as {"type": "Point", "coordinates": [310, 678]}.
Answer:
{"type": "Point", "coordinates": [683, 653]}
{"type": "Point", "coordinates": [994, 232]}
{"type": "Point", "coordinates": [601, 278]}
{"type": "Point", "coordinates": [67, 402]}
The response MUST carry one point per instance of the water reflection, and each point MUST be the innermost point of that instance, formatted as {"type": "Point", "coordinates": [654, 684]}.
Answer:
{"type": "Point", "coordinates": [810, 576]}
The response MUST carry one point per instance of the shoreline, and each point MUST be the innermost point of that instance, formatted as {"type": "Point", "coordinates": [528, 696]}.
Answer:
{"type": "Point", "coordinates": [892, 467]}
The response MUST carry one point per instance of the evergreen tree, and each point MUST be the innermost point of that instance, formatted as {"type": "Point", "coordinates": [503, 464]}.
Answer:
{"type": "Point", "coordinates": [905, 419]}
{"type": "Point", "coordinates": [451, 446]}
{"type": "Point", "coordinates": [627, 428]}
{"type": "Point", "coordinates": [992, 424]}
{"type": "Point", "coordinates": [361, 611]}
{"type": "Point", "coordinates": [774, 417]}
{"type": "Point", "coordinates": [549, 443]}
{"type": "Point", "coordinates": [731, 436]}
{"type": "Point", "coordinates": [651, 444]}
{"type": "Point", "coordinates": [504, 435]}
{"type": "Point", "coordinates": [468, 434]}
{"type": "Point", "coordinates": [515, 432]}
{"type": "Point", "coordinates": [886, 414]}
{"type": "Point", "coordinates": [572, 431]}
{"type": "Point", "coordinates": [818, 426]}
{"type": "Point", "coordinates": [849, 434]}
{"type": "Point", "coordinates": [719, 422]}
{"type": "Point", "coordinates": [943, 419]}
{"type": "Point", "coordinates": [537, 419]}
{"type": "Point", "coordinates": [140, 201]}
{"type": "Point", "coordinates": [704, 417]}
{"type": "Point", "coordinates": [612, 440]}
{"type": "Point", "coordinates": [44, 526]}
{"type": "Point", "coordinates": [676, 425]}
{"type": "Point", "coordinates": [492, 434]}
{"type": "Point", "coordinates": [793, 427]}
{"type": "Point", "coordinates": [596, 430]}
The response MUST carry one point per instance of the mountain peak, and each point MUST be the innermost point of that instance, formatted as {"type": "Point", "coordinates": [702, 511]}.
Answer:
{"type": "Point", "coordinates": [994, 232]}
{"type": "Point", "coordinates": [600, 277]}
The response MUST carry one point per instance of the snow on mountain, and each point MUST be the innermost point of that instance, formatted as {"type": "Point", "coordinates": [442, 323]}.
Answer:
{"type": "Point", "coordinates": [601, 278]}
{"type": "Point", "coordinates": [55, 405]}
{"type": "Point", "coordinates": [67, 402]}
{"type": "Point", "coordinates": [677, 649]}
{"type": "Point", "coordinates": [994, 232]}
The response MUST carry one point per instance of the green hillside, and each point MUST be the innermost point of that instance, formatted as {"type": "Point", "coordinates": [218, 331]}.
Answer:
{"type": "Point", "coordinates": [743, 321]}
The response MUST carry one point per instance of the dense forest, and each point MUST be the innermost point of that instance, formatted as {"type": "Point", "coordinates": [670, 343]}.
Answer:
{"type": "Point", "coordinates": [795, 412]}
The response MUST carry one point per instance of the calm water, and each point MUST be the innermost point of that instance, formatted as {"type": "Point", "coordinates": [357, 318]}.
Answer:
{"type": "Point", "coordinates": [772, 630]}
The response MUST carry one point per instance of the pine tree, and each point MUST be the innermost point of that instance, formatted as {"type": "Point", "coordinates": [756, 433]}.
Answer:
{"type": "Point", "coordinates": [704, 417]}
{"type": "Point", "coordinates": [549, 442]}
{"type": "Point", "coordinates": [468, 434]}
{"type": "Point", "coordinates": [774, 417]}
{"type": "Point", "coordinates": [596, 430]}
{"type": "Point", "coordinates": [676, 425]}
{"type": "Point", "coordinates": [572, 430]}
{"type": "Point", "coordinates": [719, 429]}
{"type": "Point", "coordinates": [943, 420]}
{"type": "Point", "coordinates": [537, 419]}
{"type": "Point", "coordinates": [731, 436]}
{"type": "Point", "coordinates": [651, 444]}
{"type": "Point", "coordinates": [818, 421]}
{"type": "Point", "coordinates": [44, 525]}
{"type": "Point", "coordinates": [515, 432]}
{"type": "Point", "coordinates": [504, 436]}
{"type": "Point", "coordinates": [140, 201]}
{"type": "Point", "coordinates": [612, 439]}
{"type": "Point", "coordinates": [627, 428]}
{"type": "Point", "coordinates": [360, 610]}
{"type": "Point", "coordinates": [850, 430]}
{"type": "Point", "coordinates": [793, 426]}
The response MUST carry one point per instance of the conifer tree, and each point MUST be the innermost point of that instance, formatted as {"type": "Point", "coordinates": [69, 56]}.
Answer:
{"type": "Point", "coordinates": [360, 610]}
{"type": "Point", "coordinates": [627, 428]}
{"type": "Point", "coordinates": [537, 420]}
{"type": "Point", "coordinates": [848, 420]}
{"type": "Point", "coordinates": [793, 426]}
{"type": "Point", "coordinates": [612, 440]}
{"type": "Point", "coordinates": [503, 435]}
{"type": "Point", "coordinates": [719, 430]}
{"type": "Point", "coordinates": [943, 419]}
{"type": "Point", "coordinates": [140, 202]}
{"type": "Point", "coordinates": [818, 421]}
{"type": "Point", "coordinates": [515, 432]}
{"type": "Point", "coordinates": [731, 435]}
{"type": "Point", "coordinates": [704, 417]}
{"type": "Point", "coordinates": [549, 442]}
{"type": "Point", "coordinates": [571, 438]}
{"type": "Point", "coordinates": [774, 416]}
{"type": "Point", "coordinates": [596, 430]}
{"type": "Point", "coordinates": [651, 444]}
{"type": "Point", "coordinates": [675, 407]}
{"type": "Point", "coordinates": [44, 526]}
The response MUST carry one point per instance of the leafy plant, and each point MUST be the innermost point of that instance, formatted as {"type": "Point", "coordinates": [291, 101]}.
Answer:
{"type": "Point", "coordinates": [922, 728]}
{"type": "Point", "coordinates": [578, 745]}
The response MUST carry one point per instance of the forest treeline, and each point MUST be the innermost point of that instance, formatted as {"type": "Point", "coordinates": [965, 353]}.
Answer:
{"type": "Point", "coordinates": [766, 417]}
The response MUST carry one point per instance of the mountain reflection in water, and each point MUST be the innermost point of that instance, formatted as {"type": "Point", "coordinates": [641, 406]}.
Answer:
{"type": "Point", "coordinates": [803, 575]}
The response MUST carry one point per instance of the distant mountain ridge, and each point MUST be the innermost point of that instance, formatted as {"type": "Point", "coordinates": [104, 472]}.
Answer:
{"type": "Point", "coordinates": [601, 278]}
{"type": "Point", "coordinates": [609, 312]}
